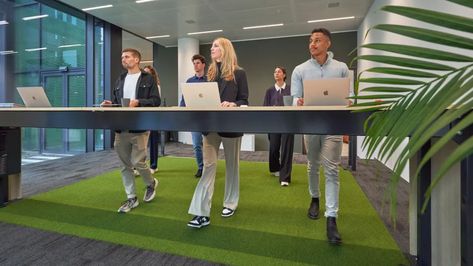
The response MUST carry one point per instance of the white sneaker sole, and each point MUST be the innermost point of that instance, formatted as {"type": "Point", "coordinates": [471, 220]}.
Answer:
{"type": "Point", "coordinates": [198, 225]}
{"type": "Point", "coordinates": [128, 210]}
{"type": "Point", "coordinates": [154, 192]}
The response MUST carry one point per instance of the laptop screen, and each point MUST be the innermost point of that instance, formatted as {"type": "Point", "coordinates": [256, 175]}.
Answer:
{"type": "Point", "coordinates": [326, 92]}
{"type": "Point", "coordinates": [201, 94]}
{"type": "Point", "coordinates": [34, 96]}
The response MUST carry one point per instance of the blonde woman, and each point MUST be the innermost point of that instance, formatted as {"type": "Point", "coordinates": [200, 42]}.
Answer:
{"type": "Point", "coordinates": [233, 88]}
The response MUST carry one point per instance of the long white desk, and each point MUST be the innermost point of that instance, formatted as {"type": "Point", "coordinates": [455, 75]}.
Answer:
{"type": "Point", "coordinates": [299, 120]}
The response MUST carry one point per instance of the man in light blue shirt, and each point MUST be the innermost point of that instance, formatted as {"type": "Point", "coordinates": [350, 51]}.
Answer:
{"type": "Point", "coordinates": [321, 149]}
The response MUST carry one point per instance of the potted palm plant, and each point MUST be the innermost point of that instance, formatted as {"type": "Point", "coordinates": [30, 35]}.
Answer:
{"type": "Point", "coordinates": [418, 91]}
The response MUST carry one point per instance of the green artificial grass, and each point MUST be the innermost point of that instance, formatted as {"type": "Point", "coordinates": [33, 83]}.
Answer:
{"type": "Point", "coordinates": [270, 226]}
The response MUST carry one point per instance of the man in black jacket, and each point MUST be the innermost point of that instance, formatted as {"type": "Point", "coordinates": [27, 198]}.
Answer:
{"type": "Point", "coordinates": [141, 90]}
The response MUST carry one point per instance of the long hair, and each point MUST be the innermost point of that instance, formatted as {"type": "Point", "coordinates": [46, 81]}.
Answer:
{"type": "Point", "coordinates": [153, 73]}
{"type": "Point", "coordinates": [229, 61]}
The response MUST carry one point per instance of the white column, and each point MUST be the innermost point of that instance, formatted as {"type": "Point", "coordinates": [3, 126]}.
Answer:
{"type": "Point", "coordinates": [186, 48]}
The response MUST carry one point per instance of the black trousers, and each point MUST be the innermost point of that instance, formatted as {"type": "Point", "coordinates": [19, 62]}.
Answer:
{"type": "Point", "coordinates": [281, 148]}
{"type": "Point", "coordinates": [153, 149]}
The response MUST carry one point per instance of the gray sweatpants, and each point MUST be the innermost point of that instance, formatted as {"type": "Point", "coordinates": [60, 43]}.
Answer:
{"type": "Point", "coordinates": [132, 151]}
{"type": "Point", "coordinates": [202, 199]}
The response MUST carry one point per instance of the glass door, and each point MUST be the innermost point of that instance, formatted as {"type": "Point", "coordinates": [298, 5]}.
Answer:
{"type": "Point", "coordinates": [52, 139]}
{"type": "Point", "coordinates": [64, 89]}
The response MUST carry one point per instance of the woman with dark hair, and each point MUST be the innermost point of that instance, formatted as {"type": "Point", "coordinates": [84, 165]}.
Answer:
{"type": "Point", "coordinates": [233, 87]}
{"type": "Point", "coordinates": [281, 146]}
{"type": "Point", "coordinates": [154, 135]}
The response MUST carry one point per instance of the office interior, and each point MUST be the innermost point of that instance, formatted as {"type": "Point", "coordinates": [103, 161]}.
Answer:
{"type": "Point", "coordinates": [75, 55]}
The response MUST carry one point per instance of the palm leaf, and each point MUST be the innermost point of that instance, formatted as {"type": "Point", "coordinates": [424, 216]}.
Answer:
{"type": "Point", "coordinates": [429, 104]}
{"type": "Point", "coordinates": [393, 81]}
{"type": "Point", "coordinates": [432, 36]}
{"type": "Point", "coordinates": [433, 17]}
{"type": "Point", "coordinates": [418, 52]}
{"type": "Point", "coordinates": [406, 62]}
{"type": "Point", "coordinates": [401, 72]}
{"type": "Point", "coordinates": [468, 3]}
{"type": "Point", "coordinates": [387, 89]}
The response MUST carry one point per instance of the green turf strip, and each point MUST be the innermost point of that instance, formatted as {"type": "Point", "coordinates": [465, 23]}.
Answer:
{"type": "Point", "coordinates": [270, 225]}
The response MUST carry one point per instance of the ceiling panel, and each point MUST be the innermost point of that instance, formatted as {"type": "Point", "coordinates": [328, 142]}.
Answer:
{"type": "Point", "coordinates": [178, 17]}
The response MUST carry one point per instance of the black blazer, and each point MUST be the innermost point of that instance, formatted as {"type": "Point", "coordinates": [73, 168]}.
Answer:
{"type": "Point", "coordinates": [234, 91]}
{"type": "Point", "coordinates": [147, 92]}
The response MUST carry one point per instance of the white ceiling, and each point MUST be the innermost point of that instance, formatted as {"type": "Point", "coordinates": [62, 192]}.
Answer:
{"type": "Point", "coordinates": [179, 17]}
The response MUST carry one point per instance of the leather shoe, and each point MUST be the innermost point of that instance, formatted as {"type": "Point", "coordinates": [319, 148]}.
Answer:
{"type": "Point", "coordinates": [332, 232]}
{"type": "Point", "coordinates": [313, 212]}
{"type": "Point", "coordinates": [199, 173]}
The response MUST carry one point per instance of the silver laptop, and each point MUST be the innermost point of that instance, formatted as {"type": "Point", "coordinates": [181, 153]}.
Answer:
{"type": "Point", "coordinates": [201, 94]}
{"type": "Point", "coordinates": [326, 92]}
{"type": "Point", "coordinates": [34, 96]}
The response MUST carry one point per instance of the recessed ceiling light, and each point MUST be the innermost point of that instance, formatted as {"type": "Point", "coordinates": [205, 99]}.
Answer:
{"type": "Point", "coordinates": [35, 17]}
{"type": "Point", "coordinates": [8, 52]}
{"type": "Point", "coordinates": [96, 7]}
{"type": "Point", "coordinates": [143, 1]}
{"type": "Point", "coordinates": [158, 36]}
{"type": "Point", "coordinates": [35, 49]}
{"type": "Point", "coordinates": [263, 26]}
{"type": "Point", "coordinates": [329, 19]}
{"type": "Point", "coordinates": [203, 32]}
{"type": "Point", "coordinates": [70, 45]}
{"type": "Point", "coordinates": [3, 22]}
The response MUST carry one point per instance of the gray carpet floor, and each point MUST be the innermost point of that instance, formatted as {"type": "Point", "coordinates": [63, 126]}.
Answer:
{"type": "Point", "coordinates": [26, 246]}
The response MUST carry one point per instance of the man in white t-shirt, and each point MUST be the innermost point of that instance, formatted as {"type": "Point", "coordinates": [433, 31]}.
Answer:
{"type": "Point", "coordinates": [131, 145]}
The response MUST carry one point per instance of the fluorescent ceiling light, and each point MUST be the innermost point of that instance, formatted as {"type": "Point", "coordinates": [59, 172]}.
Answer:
{"type": "Point", "coordinates": [203, 32]}
{"type": "Point", "coordinates": [96, 7]}
{"type": "Point", "coordinates": [146, 62]}
{"type": "Point", "coordinates": [158, 36]}
{"type": "Point", "coordinates": [35, 49]}
{"type": "Point", "coordinates": [329, 19]}
{"type": "Point", "coordinates": [143, 1]}
{"type": "Point", "coordinates": [3, 22]}
{"type": "Point", "coordinates": [35, 17]}
{"type": "Point", "coordinates": [8, 52]}
{"type": "Point", "coordinates": [70, 45]}
{"type": "Point", "coordinates": [263, 26]}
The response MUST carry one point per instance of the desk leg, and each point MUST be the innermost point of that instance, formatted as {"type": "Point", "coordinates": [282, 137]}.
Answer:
{"type": "Point", "coordinates": [352, 152]}
{"type": "Point", "coordinates": [424, 220]}
{"type": "Point", "coordinates": [10, 162]}
{"type": "Point", "coordinates": [467, 210]}
{"type": "Point", "coordinates": [162, 141]}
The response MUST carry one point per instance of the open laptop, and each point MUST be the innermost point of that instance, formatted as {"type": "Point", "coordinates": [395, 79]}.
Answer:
{"type": "Point", "coordinates": [201, 94]}
{"type": "Point", "coordinates": [34, 96]}
{"type": "Point", "coordinates": [326, 92]}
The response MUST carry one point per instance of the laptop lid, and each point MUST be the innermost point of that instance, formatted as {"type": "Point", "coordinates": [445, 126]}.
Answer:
{"type": "Point", "coordinates": [201, 94]}
{"type": "Point", "coordinates": [33, 96]}
{"type": "Point", "coordinates": [326, 92]}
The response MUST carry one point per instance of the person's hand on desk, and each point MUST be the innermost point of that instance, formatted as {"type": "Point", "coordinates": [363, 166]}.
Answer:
{"type": "Point", "coordinates": [134, 103]}
{"type": "Point", "coordinates": [228, 104]}
{"type": "Point", "coordinates": [300, 101]}
{"type": "Point", "coordinates": [105, 102]}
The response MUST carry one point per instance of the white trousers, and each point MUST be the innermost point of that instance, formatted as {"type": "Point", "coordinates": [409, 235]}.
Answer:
{"type": "Point", "coordinates": [325, 150]}
{"type": "Point", "coordinates": [132, 151]}
{"type": "Point", "coordinates": [202, 200]}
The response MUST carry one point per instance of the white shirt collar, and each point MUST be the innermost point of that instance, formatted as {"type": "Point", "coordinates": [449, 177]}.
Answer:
{"type": "Point", "coordinates": [280, 88]}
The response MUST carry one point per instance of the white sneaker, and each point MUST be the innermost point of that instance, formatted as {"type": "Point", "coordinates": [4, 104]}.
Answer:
{"type": "Point", "coordinates": [153, 170]}
{"type": "Point", "coordinates": [135, 172]}
{"type": "Point", "coordinates": [284, 184]}
{"type": "Point", "coordinates": [275, 174]}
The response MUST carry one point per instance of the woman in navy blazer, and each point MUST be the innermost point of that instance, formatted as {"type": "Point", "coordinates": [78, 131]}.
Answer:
{"type": "Point", "coordinates": [233, 87]}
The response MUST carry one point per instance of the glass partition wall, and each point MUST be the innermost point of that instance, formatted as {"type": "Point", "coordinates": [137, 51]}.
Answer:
{"type": "Point", "coordinates": [44, 46]}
